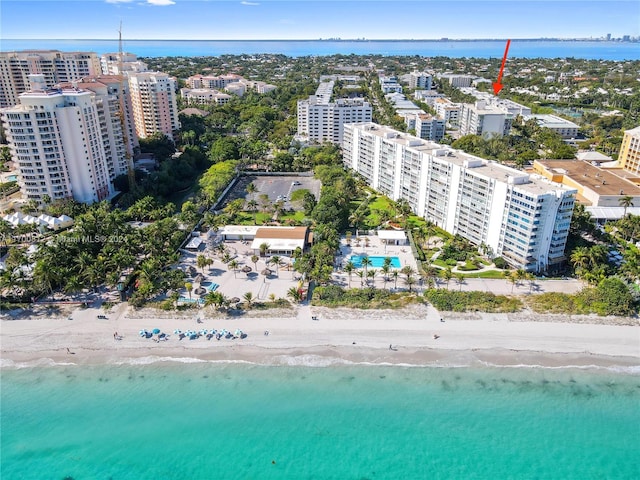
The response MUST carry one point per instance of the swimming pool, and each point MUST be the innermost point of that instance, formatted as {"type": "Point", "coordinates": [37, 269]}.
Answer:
{"type": "Point", "coordinates": [12, 178]}
{"type": "Point", "coordinates": [376, 261]}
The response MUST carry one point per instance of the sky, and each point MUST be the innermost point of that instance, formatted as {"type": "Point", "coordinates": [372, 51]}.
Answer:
{"type": "Point", "coordinates": [302, 19]}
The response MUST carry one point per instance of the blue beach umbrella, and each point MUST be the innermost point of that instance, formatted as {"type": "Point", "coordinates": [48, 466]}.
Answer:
{"type": "Point", "coordinates": [156, 331]}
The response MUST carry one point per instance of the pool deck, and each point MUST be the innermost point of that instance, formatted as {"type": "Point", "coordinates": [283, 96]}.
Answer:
{"type": "Point", "coordinates": [375, 249]}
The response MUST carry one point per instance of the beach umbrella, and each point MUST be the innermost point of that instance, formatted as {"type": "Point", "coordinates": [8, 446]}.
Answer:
{"type": "Point", "coordinates": [156, 331]}
{"type": "Point", "coordinates": [235, 300]}
{"type": "Point", "coordinates": [199, 278]}
{"type": "Point", "coordinates": [266, 272]}
{"type": "Point", "coordinates": [246, 269]}
{"type": "Point", "coordinates": [200, 291]}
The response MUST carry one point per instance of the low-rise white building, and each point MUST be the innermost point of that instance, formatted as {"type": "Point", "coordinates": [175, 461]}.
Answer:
{"type": "Point", "coordinates": [427, 96]}
{"type": "Point", "coordinates": [389, 84]}
{"type": "Point", "coordinates": [565, 128]}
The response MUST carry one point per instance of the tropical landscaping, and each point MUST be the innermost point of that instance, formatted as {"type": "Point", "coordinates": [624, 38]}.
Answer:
{"type": "Point", "coordinates": [134, 242]}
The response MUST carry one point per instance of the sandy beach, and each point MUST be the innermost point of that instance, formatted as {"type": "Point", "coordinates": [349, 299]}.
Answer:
{"type": "Point", "coordinates": [335, 335]}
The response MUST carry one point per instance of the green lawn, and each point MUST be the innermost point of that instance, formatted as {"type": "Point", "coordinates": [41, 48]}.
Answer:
{"type": "Point", "coordinates": [487, 274]}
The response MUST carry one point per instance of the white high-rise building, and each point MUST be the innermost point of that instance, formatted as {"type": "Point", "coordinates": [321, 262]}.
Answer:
{"type": "Point", "coordinates": [111, 64]}
{"type": "Point", "coordinates": [153, 98]}
{"type": "Point", "coordinates": [448, 110]}
{"type": "Point", "coordinates": [116, 117]}
{"type": "Point", "coordinates": [523, 218]}
{"type": "Point", "coordinates": [56, 140]}
{"type": "Point", "coordinates": [429, 127]}
{"type": "Point", "coordinates": [321, 120]}
{"type": "Point", "coordinates": [485, 120]}
{"type": "Point", "coordinates": [420, 80]}
{"type": "Point", "coordinates": [55, 66]}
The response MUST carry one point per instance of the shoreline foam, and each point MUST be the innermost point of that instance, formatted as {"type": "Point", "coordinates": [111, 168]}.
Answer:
{"type": "Point", "coordinates": [340, 337]}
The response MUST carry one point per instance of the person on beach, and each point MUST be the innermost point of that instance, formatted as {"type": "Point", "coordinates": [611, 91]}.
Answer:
{"type": "Point", "coordinates": [390, 348]}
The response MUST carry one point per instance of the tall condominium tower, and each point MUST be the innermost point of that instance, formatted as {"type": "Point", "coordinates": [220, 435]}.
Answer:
{"type": "Point", "coordinates": [60, 140]}
{"type": "Point", "coordinates": [629, 157]}
{"type": "Point", "coordinates": [523, 218]}
{"type": "Point", "coordinates": [153, 98]}
{"type": "Point", "coordinates": [116, 118]}
{"type": "Point", "coordinates": [55, 66]}
{"type": "Point", "coordinates": [113, 63]}
{"type": "Point", "coordinates": [321, 120]}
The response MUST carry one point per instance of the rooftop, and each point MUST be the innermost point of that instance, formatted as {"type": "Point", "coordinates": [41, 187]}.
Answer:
{"type": "Point", "coordinates": [594, 178]}
{"type": "Point", "coordinates": [551, 121]}
{"type": "Point", "coordinates": [531, 183]}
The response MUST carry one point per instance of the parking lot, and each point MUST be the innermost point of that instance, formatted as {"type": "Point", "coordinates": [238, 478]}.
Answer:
{"type": "Point", "coordinates": [276, 187]}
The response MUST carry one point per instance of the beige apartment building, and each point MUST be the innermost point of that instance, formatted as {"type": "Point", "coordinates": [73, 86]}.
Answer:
{"type": "Point", "coordinates": [55, 66]}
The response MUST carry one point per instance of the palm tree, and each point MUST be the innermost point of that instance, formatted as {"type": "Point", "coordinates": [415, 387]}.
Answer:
{"type": "Point", "coordinates": [254, 260]}
{"type": "Point", "coordinates": [295, 294]}
{"type": "Point", "coordinates": [251, 188]}
{"type": "Point", "coordinates": [366, 262]}
{"type": "Point", "coordinates": [252, 205]}
{"type": "Point", "coordinates": [356, 219]}
{"type": "Point", "coordinates": [201, 262]}
{"type": "Point", "coordinates": [511, 276]}
{"type": "Point", "coordinates": [214, 298]}
{"type": "Point", "coordinates": [263, 249]}
{"type": "Point", "coordinates": [626, 202]}
{"type": "Point", "coordinates": [395, 274]}
{"type": "Point", "coordinates": [233, 264]}
{"type": "Point", "coordinates": [410, 281]}
{"type": "Point", "coordinates": [459, 280]}
{"type": "Point", "coordinates": [272, 297]}
{"type": "Point", "coordinates": [531, 278]}
{"type": "Point", "coordinates": [580, 258]}
{"type": "Point", "coordinates": [249, 298]}
{"type": "Point", "coordinates": [385, 269]}
{"type": "Point", "coordinates": [371, 274]}
{"type": "Point", "coordinates": [521, 274]}
{"type": "Point", "coordinates": [408, 271]}
{"type": "Point", "coordinates": [362, 276]}
{"type": "Point", "coordinates": [349, 268]}
{"type": "Point", "coordinates": [447, 274]}
{"type": "Point", "coordinates": [275, 260]}
{"type": "Point", "coordinates": [73, 285]}
{"type": "Point", "coordinates": [189, 287]}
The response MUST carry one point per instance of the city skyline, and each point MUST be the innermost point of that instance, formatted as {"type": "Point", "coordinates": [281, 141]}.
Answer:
{"type": "Point", "coordinates": [310, 20]}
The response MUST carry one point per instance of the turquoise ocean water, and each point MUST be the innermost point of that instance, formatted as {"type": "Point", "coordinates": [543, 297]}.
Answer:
{"type": "Point", "coordinates": [292, 48]}
{"type": "Point", "coordinates": [238, 421]}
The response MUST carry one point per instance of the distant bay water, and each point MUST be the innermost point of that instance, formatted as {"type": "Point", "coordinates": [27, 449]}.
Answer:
{"type": "Point", "coordinates": [299, 48]}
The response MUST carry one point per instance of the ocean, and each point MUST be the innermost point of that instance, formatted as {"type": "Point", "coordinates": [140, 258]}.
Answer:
{"type": "Point", "coordinates": [202, 420]}
{"type": "Point", "coordinates": [590, 50]}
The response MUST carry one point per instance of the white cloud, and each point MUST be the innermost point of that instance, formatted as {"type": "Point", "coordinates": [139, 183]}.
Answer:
{"type": "Point", "coordinates": [118, 1]}
{"type": "Point", "coordinates": [253, 4]}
